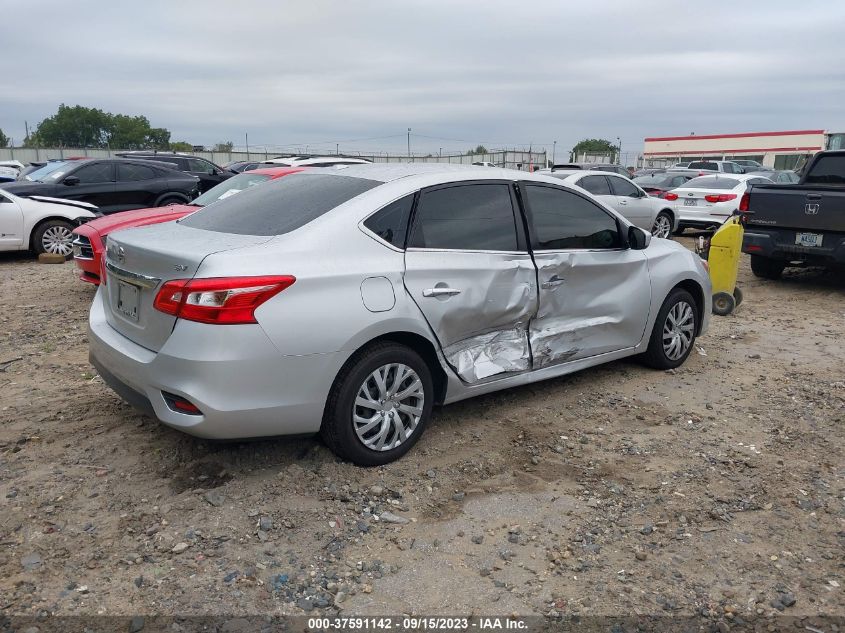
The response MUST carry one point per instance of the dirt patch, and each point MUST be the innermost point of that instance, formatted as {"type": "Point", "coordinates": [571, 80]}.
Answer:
{"type": "Point", "coordinates": [718, 488]}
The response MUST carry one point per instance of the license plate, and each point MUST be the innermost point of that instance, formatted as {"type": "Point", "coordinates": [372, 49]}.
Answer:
{"type": "Point", "coordinates": [127, 300]}
{"type": "Point", "coordinates": [690, 203]}
{"type": "Point", "coordinates": [808, 239]}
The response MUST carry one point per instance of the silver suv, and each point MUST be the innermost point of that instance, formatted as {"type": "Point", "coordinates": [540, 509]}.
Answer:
{"type": "Point", "coordinates": [350, 302]}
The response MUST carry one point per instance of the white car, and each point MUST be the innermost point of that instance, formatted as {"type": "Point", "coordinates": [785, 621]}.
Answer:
{"type": "Point", "coordinates": [721, 166]}
{"type": "Point", "coordinates": [315, 161]}
{"type": "Point", "coordinates": [40, 224]}
{"type": "Point", "coordinates": [626, 198]}
{"type": "Point", "coordinates": [708, 201]}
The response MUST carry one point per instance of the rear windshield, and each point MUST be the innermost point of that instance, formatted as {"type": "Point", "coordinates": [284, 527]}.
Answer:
{"type": "Point", "coordinates": [654, 180]}
{"type": "Point", "coordinates": [280, 206]}
{"type": "Point", "coordinates": [827, 170]}
{"type": "Point", "coordinates": [711, 182]}
{"type": "Point", "coordinates": [704, 165]}
{"type": "Point", "coordinates": [230, 187]}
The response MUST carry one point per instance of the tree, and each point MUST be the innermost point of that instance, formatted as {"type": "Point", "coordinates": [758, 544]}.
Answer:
{"type": "Point", "coordinates": [4, 140]}
{"type": "Point", "coordinates": [594, 146]}
{"type": "Point", "coordinates": [181, 146]}
{"type": "Point", "coordinates": [79, 126]}
{"type": "Point", "coordinates": [478, 150]}
{"type": "Point", "coordinates": [223, 147]}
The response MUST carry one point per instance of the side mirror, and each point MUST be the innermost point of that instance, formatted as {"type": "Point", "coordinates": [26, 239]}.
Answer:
{"type": "Point", "coordinates": [71, 181]}
{"type": "Point", "coordinates": [638, 239]}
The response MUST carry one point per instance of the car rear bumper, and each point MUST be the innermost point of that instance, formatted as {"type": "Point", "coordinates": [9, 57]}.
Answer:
{"type": "Point", "coordinates": [780, 244]}
{"type": "Point", "coordinates": [701, 218]}
{"type": "Point", "coordinates": [234, 375]}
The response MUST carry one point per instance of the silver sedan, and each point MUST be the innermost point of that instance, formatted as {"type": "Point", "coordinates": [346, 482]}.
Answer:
{"type": "Point", "coordinates": [350, 301]}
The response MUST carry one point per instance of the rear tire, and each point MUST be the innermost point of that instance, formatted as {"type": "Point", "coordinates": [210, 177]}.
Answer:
{"type": "Point", "coordinates": [673, 335]}
{"type": "Point", "coordinates": [54, 237]}
{"type": "Point", "coordinates": [723, 303]}
{"type": "Point", "coordinates": [364, 421]}
{"type": "Point", "coordinates": [170, 200]}
{"type": "Point", "coordinates": [767, 268]}
{"type": "Point", "coordinates": [662, 225]}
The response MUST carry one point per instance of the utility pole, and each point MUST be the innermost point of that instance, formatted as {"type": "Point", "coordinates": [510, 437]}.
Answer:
{"type": "Point", "coordinates": [554, 148]}
{"type": "Point", "coordinates": [409, 143]}
{"type": "Point", "coordinates": [246, 138]}
{"type": "Point", "coordinates": [618, 151]}
{"type": "Point", "coordinates": [26, 126]}
{"type": "Point", "coordinates": [337, 148]}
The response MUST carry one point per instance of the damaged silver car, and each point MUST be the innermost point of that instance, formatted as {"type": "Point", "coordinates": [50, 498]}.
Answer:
{"type": "Point", "coordinates": [350, 302]}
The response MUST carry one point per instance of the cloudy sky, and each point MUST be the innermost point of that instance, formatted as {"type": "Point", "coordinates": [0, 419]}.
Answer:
{"type": "Point", "coordinates": [458, 72]}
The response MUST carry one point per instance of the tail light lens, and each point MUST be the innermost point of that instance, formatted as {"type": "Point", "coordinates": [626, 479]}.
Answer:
{"type": "Point", "coordinates": [670, 196]}
{"type": "Point", "coordinates": [219, 300]}
{"type": "Point", "coordinates": [719, 197]}
{"type": "Point", "coordinates": [743, 202]}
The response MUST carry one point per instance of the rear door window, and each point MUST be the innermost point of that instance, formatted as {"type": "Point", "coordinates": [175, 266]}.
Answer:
{"type": "Point", "coordinates": [391, 222]}
{"type": "Point", "coordinates": [466, 217]}
{"type": "Point", "coordinates": [127, 172]}
{"type": "Point", "coordinates": [596, 185]}
{"type": "Point", "coordinates": [279, 206]}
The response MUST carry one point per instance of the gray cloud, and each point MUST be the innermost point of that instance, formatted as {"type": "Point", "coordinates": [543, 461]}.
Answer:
{"type": "Point", "coordinates": [492, 72]}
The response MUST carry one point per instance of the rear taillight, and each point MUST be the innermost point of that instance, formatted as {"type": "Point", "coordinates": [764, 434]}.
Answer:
{"type": "Point", "coordinates": [719, 197]}
{"type": "Point", "coordinates": [219, 300]}
{"type": "Point", "coordinates": [670, 196]}
{"type": "Point", "coordinates": [743, 202]}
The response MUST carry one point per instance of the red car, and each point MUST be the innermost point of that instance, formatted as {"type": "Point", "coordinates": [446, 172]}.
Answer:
{"type": "Point", "coordinates": [90, 238]}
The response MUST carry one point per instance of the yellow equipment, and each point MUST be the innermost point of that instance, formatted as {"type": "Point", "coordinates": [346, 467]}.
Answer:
{"type": "Point", "coordinates": [723, 254]}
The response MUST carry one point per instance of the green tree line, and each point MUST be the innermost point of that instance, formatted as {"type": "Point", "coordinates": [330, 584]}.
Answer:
{"type": "Point", "coordinates": [79, 126]}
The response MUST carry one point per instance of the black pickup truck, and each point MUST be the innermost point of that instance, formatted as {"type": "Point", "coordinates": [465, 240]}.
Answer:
{"type": "Point", "coordinates": [798, 224]}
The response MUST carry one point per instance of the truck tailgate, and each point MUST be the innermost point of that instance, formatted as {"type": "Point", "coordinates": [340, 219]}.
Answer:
{"type": "Point", "coordinates": [799, 207]}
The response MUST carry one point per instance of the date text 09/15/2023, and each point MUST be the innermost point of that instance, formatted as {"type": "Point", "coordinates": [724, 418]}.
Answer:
{"type": "Point", "coordinates": [420, 623]}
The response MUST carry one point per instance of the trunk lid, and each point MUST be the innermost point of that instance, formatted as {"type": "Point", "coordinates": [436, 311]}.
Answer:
{"type": "Point", "coordinates": [139, 261]}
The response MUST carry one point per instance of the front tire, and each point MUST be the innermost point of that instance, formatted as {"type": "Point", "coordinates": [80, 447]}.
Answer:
{"type": "Point", "coordinates": [662, 225]}
{"type": "Point", "coordinates": [673, 335]}
{"type": "Point", "coordinates": [766, 268]}
{"type": "Point", "coordinates": [379, 405]}
{"type": "Point", "coordinates": [54, 237]}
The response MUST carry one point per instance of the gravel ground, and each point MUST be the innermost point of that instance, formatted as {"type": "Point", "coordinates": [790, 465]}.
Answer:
{"type": "Point", "coordinates": [714, 489]}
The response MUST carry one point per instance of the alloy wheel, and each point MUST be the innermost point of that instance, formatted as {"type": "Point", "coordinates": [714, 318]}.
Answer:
{"type": "Point", "coordinates": [388, 407]}
{"type": "Point", "coordinates": [57, 240]}
{"type": "Point", "coordinates": [662, 226]}
{"type": "Point", "coordinates": [678, 330]}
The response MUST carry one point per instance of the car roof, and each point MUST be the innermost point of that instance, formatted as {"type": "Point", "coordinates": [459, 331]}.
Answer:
{"type": "Point", "coordinates": [276, 172]}
{"type": "Point", "coordinates": [434, 173]}
{"type": "Point", "coordinates": [585, 172]}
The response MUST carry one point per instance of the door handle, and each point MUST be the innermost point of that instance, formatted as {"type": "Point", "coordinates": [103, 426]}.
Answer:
{"type": "Point", "coordinates": [440, 292]}
{"type": "Point", "coordinates": [552, 282]}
